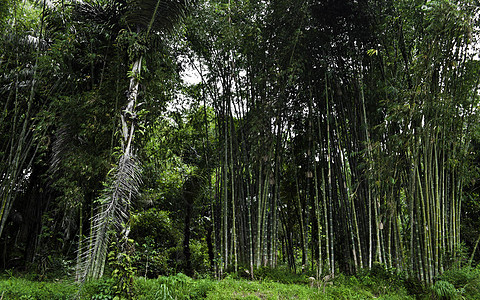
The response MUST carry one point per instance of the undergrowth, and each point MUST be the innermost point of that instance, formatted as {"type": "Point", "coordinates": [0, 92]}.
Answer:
{"type": "Point", "coordinates": [20, 288]}
{"type": "Point", "coordinates": [377, 283]}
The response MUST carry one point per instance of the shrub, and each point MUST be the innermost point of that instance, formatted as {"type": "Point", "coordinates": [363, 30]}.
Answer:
{"type": "Point", "coordinates": [443, 290]}
{"type": "Point", "coordinates": [199, 256]}
{"type": "Point", "coordinates": [154, 227]}
{"type": "Point", "coordinates": [101, 289]}
{"type": "Point", "coordinates": [280, 274]}
{"type": "Point", "coordinates": [156, 241]}
{"type": "Point", "coordinates": [466, 281]}
{"type": "Point", "coordinates": [179, 286]}
{"type": "Point", "coordinates": [380, 280]}
{"type": "Point", "coordinates": [414, 286]}
{"type": "Point", "coordinates": [123, 273]}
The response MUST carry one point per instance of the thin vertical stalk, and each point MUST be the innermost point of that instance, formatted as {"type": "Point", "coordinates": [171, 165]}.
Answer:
{"type": "Point", "coordinates": [302, 225]}
{"type": "Point", "coordinates": [329, 162]}
{"type": "Point", "coordinates": [259, 216]}
{"type": "Point", "coordinates": [234, 217]}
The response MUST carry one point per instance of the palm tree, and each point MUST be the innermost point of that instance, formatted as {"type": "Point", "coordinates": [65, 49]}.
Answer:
{"type": "Point", "coordinates": [145, 20]}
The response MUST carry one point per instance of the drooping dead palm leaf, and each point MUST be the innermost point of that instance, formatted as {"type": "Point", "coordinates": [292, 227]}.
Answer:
{"type": "Point", "coordinates": [143, 16]}
{"type": "Point", "coordinates": [112, 214]}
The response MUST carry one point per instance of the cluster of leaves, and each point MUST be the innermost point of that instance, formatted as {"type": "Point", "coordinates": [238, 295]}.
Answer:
{"type": "Point", "coordinates": [443, 290]}
{"type": "Point", "coordinates": [156, 242]}
{"type": "Point", "coordinates": [123, 271]}
{"type": "Point", "coordinates": [457, 284]}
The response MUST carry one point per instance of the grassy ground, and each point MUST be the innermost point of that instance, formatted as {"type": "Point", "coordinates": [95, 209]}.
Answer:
{"type": "Point", "coordinates": [243, 289]}
{"type": "Point", "coordinates": [183, 287]}
{"type": "Point", "coordinates": [272, 284]}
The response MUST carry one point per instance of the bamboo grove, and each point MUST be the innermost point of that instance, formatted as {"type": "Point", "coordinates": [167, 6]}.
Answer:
{"type": "Point", "coordinates": [343, 132]}
{"type": "Point", "coordinates": [325, 136]}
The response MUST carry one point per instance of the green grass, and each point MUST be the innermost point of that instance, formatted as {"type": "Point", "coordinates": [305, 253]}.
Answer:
{"type": "Point", "coordinates": [378, 283]}
{"type": "Point", "coordinates": [183, 287]}
{"type": "Point", "coordinates": [19, 288]}
{"type": "Point", "coordinates": [229, 288]}
{"type": "Point", "coordinates": [243, 289]}
{"type": "Point", "coordinates": [270, 284]}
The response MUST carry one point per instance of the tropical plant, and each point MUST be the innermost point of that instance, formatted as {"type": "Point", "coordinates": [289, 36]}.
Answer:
{"type": "Point", "coordinates": [145, 20]}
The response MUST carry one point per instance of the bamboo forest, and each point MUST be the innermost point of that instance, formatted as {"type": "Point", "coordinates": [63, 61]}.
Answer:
{"type": "Point", "coordinates": [230, 149]}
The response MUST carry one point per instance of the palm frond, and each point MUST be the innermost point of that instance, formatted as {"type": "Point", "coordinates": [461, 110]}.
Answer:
{"type": "Point", "coordinates": [107, 14]}
{"type": "Point", "coordinates": [112, 215]}
{"type": "Point", "coordinates": [61, 147]}
{"type": "Point", "coordinates": [156, 15]}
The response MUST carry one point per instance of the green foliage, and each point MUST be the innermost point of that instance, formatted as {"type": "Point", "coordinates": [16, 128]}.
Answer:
{"type": "Point", "coordinates": [415, 287]}
{"type": "Point", "coordinates": [154, 226]}
{"type": "Point", "coordinates": [171, 147]}
{"type": "Point", "coordinates": [101, 289]}
{"type": "Point", "coordinates": [181, 286]}
{"type": "Point", "coordinates": [242, 289]}
{"type": "Point", "coordinates": [466, 281]}
{"type": "Point", "coordinates": [156, 240]}
{"type": "Point", "coordinates": [132, 42]}
{"type": "Point", "coordinates": [4, 11]}
{"type": "Point", "coordinates": [280, 274]}
{"type": "Point", "coordinates": [172, 287]}
{"type": "Point", "coordinates": [458, 259]}
{"type": "Point", "coordinates": [149, 259]}
{"type": "Point", "coordinates": [178, 286]}
{"type": "Point", "coordinates": [413, 74]}
{"type": "Point", "coordinates": [123, 274]}
{"type": "Point", "coordinates": [347, 291]}
{"type": "Point", "coordinates": [199, 256]}
{"type": "Point", "coordinates": [379, 281]}
{"type": "Point", "coordinates": [50, 266]}
{"type": "Point", "coordinates": [18, 288]}
{"type": "Point", "coordinates": [443, 290]}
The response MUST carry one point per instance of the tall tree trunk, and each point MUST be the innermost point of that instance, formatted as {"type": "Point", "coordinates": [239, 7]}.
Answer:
{"type": "Point", "coordinates": [115, 204]}
{"type": "Point", "coordinates": [188, 197]}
